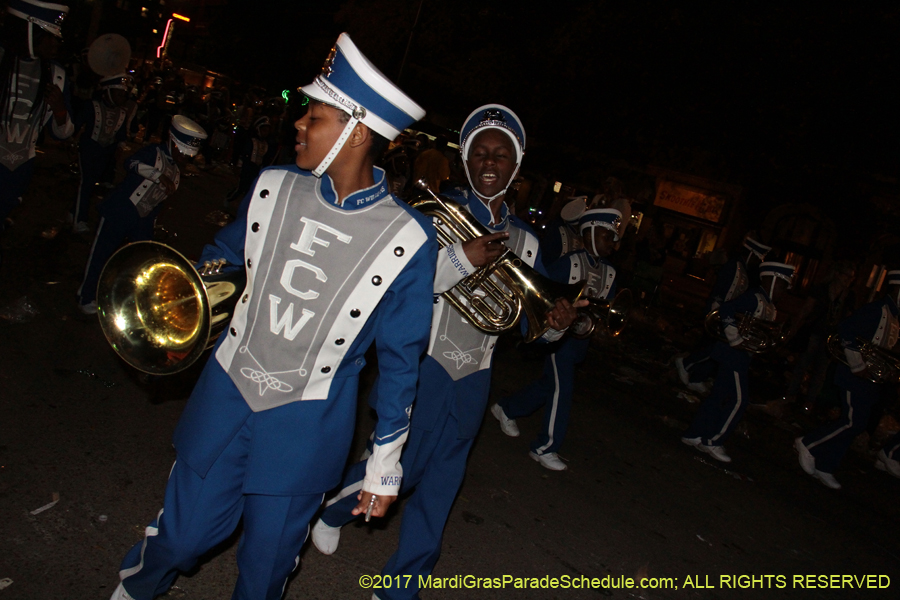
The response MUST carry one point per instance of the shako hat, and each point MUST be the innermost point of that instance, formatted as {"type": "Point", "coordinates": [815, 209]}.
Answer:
{"type": "Point", "coordinates": [349, 82]}
{"type": "Point", "coordinates": [492, 116]}
{"type": "Point", "coordinates": [186, 134]}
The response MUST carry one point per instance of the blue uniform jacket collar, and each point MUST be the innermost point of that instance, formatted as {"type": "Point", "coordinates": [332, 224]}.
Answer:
{"type": "Point", "coordinates": [483, 212]}
{"type": "Point", "coordinates": [358, 199]}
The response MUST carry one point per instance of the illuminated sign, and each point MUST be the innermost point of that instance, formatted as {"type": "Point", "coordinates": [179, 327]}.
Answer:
{"type": "Point", "coordinates": [165, 39]}
{"type": "Point", "coordinates": [691, 201]}
{"type": "Point", "coordinates": [181, 17]}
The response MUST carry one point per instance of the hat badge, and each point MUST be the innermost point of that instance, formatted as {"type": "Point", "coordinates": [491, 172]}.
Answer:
{"type": "Point", "coordinates": [326, 68]}
{"type": "Point", "coordinates": [492, 114]}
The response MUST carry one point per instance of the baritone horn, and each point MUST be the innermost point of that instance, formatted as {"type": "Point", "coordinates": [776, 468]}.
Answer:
{"type": "Point", "coordinates": [157, 312]}
{"type": "Point", "coordinates": [611, 316]}
{"type": "Point", "coordinates": [882, 365]}
{"type": "Point", "coordinates": [759, 335]}
{"type": "Point", "coordinates": [494, 297]}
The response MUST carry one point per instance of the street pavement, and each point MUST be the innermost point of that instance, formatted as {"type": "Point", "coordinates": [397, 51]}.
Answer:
{"type": "Point", "coordinates": [80, 427]}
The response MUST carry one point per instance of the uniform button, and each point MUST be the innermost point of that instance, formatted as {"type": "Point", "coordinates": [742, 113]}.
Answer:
{"type": "Point", "coordinates": [376, 280]}
{"type": "Point", "coordinates": [249, 263]}
{"type": "Point", "coordinates": [528, 254]}
{"type": "Point", "coordinates": [264, 194]}
{"type": "Point", "coordinates": [255, 227]}
{"type": "Point", "coordinates": [576, 264]}
{"type": "Point", "coordinates": [359, 362]}
{"type": "Point", "coordinates": [573, 278]}
{"type": "Point", "coordinates": [245, 298]}
{"type": "Point", "coordinates": [326, 369]}
{"type": "Point", "coordinates": [339, 341]}
{"type": "Point", "coordinates": [354, 313]}
{"type": "Point", "coordinates": [437, 299]}
{"type": "Point", "coordinates": [233, 331]}
{"type": "Point", "coordinates": [398, 251]}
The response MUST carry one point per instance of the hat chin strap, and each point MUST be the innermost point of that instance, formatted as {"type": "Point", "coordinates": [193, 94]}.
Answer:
{"type": "Point", "coordinates": [342, 139]}
{"type": "Point", "coordinates": [498, 194]}
{"type": "Point", "coordinates": [30, 39]}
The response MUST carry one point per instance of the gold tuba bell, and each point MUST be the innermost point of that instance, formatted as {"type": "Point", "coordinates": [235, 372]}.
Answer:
{"type": "Point", "coordinates": [759, 335]}
{"type": "Point", "coordinates": [158, 313]}
{"type": "Point", "coordinates": [882, 365]}
{"type": "Point", "coordinates": [612, 316]}
{"type": "Point", "coordinates": [494, 297]}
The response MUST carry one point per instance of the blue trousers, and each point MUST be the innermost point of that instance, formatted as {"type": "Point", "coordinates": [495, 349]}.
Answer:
{"type": "Point", "coordinates": [830, 442]}
{"type": "Point", "coordinates": [199, 513]}
{"type": "Point", "coordinates": [723, 409]}
{"type": "Point", "coordinates": [13, 185]}
{"type": "Point", "coordinates": [118, 224]}
{"type": "Point", "coordinates": [92, 162]}
{"type": "Point", "coordinates": [434, 465]}
{"type": "Point", "coordinates": [700, 365]}
{"type": "Point", "coordinates": [553, 391]}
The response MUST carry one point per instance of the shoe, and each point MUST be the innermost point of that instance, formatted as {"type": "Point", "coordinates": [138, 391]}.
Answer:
{"type": "Point", "coordinates": [694, 442]}
{"type": "Point", "coordinates": [682, 372]}
{"type": "Point", "coordinates": [507, 425]}
{"type": "Point", "coordinates": [81, 227]}
{"type": "Point", "coordinates": [325, 537]}
{"type": "Point", "coordinates": [807, 460]}
{"type": "Point", "coordinates": [550, 460]}
{"type": "Point", "coordinates": [887, 464]}
{"type": "Point", "coordinates": [717, 452]}
{"type": "Point", "coordinates": [827, 480]}
{"type": "Point", "coordinates": [89, 309]}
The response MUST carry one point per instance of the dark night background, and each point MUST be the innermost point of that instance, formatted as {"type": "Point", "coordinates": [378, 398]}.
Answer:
{"type": "Point", "coordinates": [794, 103]}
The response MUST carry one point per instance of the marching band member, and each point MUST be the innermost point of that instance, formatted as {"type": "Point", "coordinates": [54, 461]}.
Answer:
{"type": "Point", "coordinates": [888, 458]}
{"type": "Point", "coordinates": [732, 280]}
{"type": "Point", "coordinates": [268, 427]}
{"type": "Point", "coordinates": [722, 410]}
{"type": "Point", "coordinates": [455, 374]}
{"type": "Point", "coordinates": [129, 211]}
{"type": "Point", "coordinates": [562, 234]}
{"type": "Point", "coordinates": [553, 391]}
{"type": "Point", "coordinates": [105, 122]}
{"type": "Point", "coordinates": [822, 450]}
{"type": "Point", "coordinates": [34, 91]}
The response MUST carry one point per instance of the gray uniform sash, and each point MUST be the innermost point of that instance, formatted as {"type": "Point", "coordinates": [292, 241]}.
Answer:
{"type": "Point", "coordinates": [315, 274]}
{"type": "Point", "coordinates": [107, 121]}
{"type": "Point", "coordinates": [598, 280]}
{"type": "Point", "coordinates": [149, 193]}
{"type": "Point", "coordinates": [460, 348]}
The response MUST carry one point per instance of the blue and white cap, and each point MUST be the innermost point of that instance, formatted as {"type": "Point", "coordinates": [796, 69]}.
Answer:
{"type": "Point", "coordinates": [777, 270]}
{"type": "Point", "coordinates": [573, 210]}
{"type": "Point", "coordinates": [757, 248]}
{"type": "Point", "coordinates": [186, 135]}
{"type": "Point", "coordinates": [119, 81]}
{"type": "Point", "coordinates": [349, 82]}
{"type": "Point", "coordinates": [492, 116]}
{"type": "Point", "coordinates": [608, 218]}
{"type": "Point", "coordinates": [46, 15]}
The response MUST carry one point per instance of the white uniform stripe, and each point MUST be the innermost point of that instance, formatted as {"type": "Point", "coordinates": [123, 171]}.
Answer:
{"type": "Point", "coordinates": [353, 488]}
{"type": "Point", "coordinates": [737, 405]}
{"type": "Point", "coordinates": [91, 254]}
{"type": "Point", "coordinates": [839, 430]}
{"type": "Point", "coordinates": [554, 406]}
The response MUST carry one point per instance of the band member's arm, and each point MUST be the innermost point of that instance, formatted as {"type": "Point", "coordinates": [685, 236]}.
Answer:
{"type": "Point", "coordinates": [745, 303]}
{"type": "Point", "coordinates": [401, 336]}
{"type": "Point", "coordinates": [861, 324]}
{"type": "Point", "coordinates": [59, 104]}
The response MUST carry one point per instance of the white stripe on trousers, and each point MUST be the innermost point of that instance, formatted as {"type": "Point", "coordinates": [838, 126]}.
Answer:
{"type": "Point", "coordinates": [839, 430]}
{"type": "Point", "coordinates": [553, 408]}
{"type": "Point", "coordinates": [737, 405]}
{"type": "Point", "coordinates": [91, 254]}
